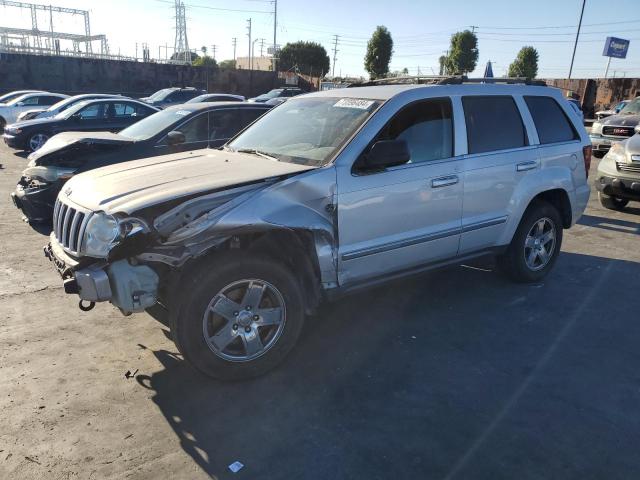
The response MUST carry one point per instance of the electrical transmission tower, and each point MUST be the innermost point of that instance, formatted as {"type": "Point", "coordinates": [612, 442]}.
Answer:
{"type": "Point", "coordinates": [335, 53]}
{"type": "Point", "coordinates": [181, 46]}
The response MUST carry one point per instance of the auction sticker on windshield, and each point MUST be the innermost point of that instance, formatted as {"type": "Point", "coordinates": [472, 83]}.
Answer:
{"type": "Point", "coordinates": [354, 103]}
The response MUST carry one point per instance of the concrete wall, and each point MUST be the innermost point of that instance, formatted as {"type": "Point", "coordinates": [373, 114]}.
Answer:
{"type": "Point", "coordinates": [78, 75]}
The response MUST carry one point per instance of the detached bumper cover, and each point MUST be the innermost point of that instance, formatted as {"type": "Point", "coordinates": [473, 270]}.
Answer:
{"type": "Point", "coordinates": [36, 203]}
{"type": "Point", "coordinates": [131, 288]}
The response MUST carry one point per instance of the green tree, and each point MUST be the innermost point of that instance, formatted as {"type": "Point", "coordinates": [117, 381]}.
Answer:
{"type": "Point", "coordinates": [525, 64]}
{"type": "Point", "coordinates": [379, 51]}
{"type": "Point", "coordinates": [305, 57]}
{"type": "Point", "coordinates": [227, 65]}
{"type": "Point", "coordinates": [405, 71]}
{"type": "Point", "coordinates": [443, 64]}
{"type": "Point", "coordinates": [463, 53]}
{"type": "Point", "coordinates": [205, 62]}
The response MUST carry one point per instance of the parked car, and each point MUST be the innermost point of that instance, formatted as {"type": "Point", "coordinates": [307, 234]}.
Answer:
{"type": "Point", "coordinates": [618, 178]}
{"type": "Point", "coordinates": [9, 111]}
{"type": "Point", "coordinates": [327, 193]}
{"type": "Point", "coordinates": [217, 97]}
{"type": "Point", "coordinates": [90, 115]}
{"type": "Point", "coordinates": [172, 96]}
{"type": "Point", "coordinates": [613, 111]}
{"type": "Point", "coordinates": [614, 128]}
{"type": "Point", "coordinates": [286, 92]}
{"type": "Point", "coordinates": [15, 94]}
{"type": "Point", "coordinates": [61, 106]}
{"type": "Point", "coordinates": [175, 129]}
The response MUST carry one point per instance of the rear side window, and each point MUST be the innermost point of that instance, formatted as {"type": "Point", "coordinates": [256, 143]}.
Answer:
{"type": "Point", "coordinates": [552, 124]}
{"type": "Point", "coordinates": [493, 123]}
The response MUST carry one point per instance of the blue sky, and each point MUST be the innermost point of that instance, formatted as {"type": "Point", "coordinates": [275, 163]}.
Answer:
{"type": "Point", "coordinates": [421, 29]}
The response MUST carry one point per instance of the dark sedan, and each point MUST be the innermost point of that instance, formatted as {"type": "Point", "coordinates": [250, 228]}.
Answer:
{"type": "Point", "coordinates": [92, 115]}
{"type": "Point", "coordinates": [178, 128]}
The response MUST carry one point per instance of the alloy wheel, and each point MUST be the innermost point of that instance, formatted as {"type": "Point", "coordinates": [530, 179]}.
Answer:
{"type": "Point", "coordinates": [37, 140]}
{"type": "Point", "coordinates": [244, 320]}
{"type": "Point", "coordinates": [540, 244]}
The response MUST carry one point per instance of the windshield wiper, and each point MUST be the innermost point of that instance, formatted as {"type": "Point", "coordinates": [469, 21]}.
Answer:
{"type": "Point", "coordinates": [260, 153]}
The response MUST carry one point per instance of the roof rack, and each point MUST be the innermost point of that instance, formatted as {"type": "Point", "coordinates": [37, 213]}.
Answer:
{"type": "Point", "coordinates": [447, 80]}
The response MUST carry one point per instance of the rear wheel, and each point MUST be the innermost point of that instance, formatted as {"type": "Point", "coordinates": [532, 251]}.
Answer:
{"type": "Point", "coordinates": [37, 140]}
{"type": "Point", "coordinates": [535, 246]}
{"type": "Point", "coordinates": [240, 316]}
{"type": "Point", "coordinates": [612, 203]}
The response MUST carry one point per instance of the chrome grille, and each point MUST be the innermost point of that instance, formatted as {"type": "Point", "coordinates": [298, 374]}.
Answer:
{"type": "Point", "coordinates": [69, 224]}
{"type": "Point", "coordinates": [628, 167]}
{"type": "Point", "coordinates": [618, 131]}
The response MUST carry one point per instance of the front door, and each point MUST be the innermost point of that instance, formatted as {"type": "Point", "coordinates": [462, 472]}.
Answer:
{"type": "Point", "coordinates": [406, 216]}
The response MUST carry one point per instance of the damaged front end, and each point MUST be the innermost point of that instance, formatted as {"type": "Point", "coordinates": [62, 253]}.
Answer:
{"type": "Point", "coordinates": [136, 260]}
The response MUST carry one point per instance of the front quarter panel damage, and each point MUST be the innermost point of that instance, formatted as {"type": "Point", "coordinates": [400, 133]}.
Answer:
{"type": "Point", "coordinates": [302, 203]}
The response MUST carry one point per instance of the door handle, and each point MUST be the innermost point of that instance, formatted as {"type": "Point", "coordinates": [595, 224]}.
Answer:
{"type": "Point", "coordinates": [444, 181]}
{"type": "Point", "coordinates": [524, 166]}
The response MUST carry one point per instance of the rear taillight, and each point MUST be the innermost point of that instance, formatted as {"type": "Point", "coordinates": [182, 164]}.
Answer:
{"type": "Point", "coordinates": [586, 153]}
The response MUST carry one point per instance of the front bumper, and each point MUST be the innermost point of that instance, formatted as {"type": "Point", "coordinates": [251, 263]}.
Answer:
{"type": "Point", "coordinates": [624, 188]}
{"type": "Point", "coordinates": [603, 144]}
{"type": "Point", "coordinates": [13, 141]}
{"type": "Point", "coordinates": [131, 288]}
{"type": "Point", "coordinates": [36, 203]}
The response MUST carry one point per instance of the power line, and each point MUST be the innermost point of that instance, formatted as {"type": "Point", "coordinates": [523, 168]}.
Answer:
{"type": "Point", "coordinates": [192, 5]}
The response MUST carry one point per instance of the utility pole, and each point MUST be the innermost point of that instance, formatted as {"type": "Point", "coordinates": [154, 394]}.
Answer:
{"type": "Point", "coordinates": [261, 46]}
{"type": "Point", "coordinates": [249, 35]}
{"type": "Point", "coordinates": [335, 52]}
{"type": "Point", "coordinates": [234, 42]}
{"type": "Point", "coordinates": [575, 45]}
{"type": "Point", "coordinates": [213, 48]}
{"type": "Point", "coordinates": [275, 27]}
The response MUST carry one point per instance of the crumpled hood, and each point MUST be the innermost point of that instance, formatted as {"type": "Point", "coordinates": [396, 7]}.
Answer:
{"type": "Point", "coordinates": [622, 120]}
{"type": "Point", "coordinates": [131, 186]}
{"type": "Point", "coordinates": [63, 140]}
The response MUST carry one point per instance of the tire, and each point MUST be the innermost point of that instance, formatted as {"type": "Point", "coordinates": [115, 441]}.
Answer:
{"type": "Point", "coordinates": [517, 262]}
{"type": "Point", "coordinates": [598, 154]}
{"type": "Point", "coordinates": [213, 302]}
{"type": "Point", "coordinates": [36, 141]}
{"type": "Point", "coordinates": [3, 123]}
{"type": "Point", "coordinates": [612, 203]}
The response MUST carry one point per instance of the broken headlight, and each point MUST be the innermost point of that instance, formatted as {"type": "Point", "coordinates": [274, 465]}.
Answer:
{"type": "Point", "coordinates": [101, 235]}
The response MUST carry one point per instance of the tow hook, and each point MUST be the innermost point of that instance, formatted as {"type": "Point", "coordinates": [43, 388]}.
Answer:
{"type": "Point", "coordinates": [87, 307]}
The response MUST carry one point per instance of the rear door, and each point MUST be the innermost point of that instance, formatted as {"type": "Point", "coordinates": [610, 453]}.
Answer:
{"type": "Point", "coordinates": [500, 154]}
{"type": "Point", "coordinates": [121, 115]}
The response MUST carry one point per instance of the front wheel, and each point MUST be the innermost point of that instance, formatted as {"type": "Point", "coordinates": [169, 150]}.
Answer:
{"type": "Point", "coordinates": [535, 246]}
{"type": "Point", "coordinates": [612, 203]}
{"type": "Point", "coordinates": [239, 316]}
{"type": "Point", "coordinates": [37, 140]}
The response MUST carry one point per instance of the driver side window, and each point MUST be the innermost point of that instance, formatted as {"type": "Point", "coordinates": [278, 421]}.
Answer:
{"type": "Point", "coordinates": [92, 112]}
{"type": "Point", "coordinates": [426, 126]}
{"type": "Point", "coordinates": [196, 129]}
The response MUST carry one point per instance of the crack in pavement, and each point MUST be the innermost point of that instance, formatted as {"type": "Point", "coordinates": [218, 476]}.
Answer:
{"type": "Point", "coordinates": [27, 292]}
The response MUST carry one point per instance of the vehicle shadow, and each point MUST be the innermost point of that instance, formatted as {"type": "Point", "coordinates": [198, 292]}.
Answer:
{"type": "Point", "coordinates": [613, 224]}
{"type": "Point", "coordinates": [21, 153]}
{"type": "Point", "coordinates": [457, 372]}
{"type": "Point", "coordinates": [43, 228]}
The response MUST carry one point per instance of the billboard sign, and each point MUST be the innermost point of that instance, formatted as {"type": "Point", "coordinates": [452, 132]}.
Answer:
{"type": "Point", "coordinates": [615, 47]}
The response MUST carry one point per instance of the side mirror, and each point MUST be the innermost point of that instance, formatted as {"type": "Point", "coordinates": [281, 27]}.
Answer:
{"type": "Point", "coordinates": [387, 153]}
{"type": "Point", "coordinates": [175, 137]}
{"type": "Point", "coordinates": [76, 117]}
{"type": "Point", "coordinates": [20, 104]}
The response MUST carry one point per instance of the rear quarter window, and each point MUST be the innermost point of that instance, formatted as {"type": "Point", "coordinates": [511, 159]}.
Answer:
{"type": "Point", "coordinates": [493, 123]}
{"type": "Point", "coordinates": [551, 122]}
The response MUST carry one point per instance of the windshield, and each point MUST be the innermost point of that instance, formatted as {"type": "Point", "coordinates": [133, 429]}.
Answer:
{"type": "Point", "coordinates": [632, 107]}
{"type": "Point", "coordinates": [62, 104]}
{"type": "Point", "coordinates": [154, 124]}
{"type": "Point", "coordinates": [271, 94]}
{"type": "Point", "coordinates": [71, 110]}
{"type": "Point", "coordinates": [160, 94]}
{"type": "Point", "coordinates": [306, 130]}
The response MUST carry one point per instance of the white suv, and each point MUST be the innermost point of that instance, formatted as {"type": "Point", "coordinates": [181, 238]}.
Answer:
{"type": "Point", "coordinates": [328, 193]}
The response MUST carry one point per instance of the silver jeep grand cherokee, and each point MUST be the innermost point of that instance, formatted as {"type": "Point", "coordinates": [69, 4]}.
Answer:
{"type": "Point", "coordinates": [328, 193]}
